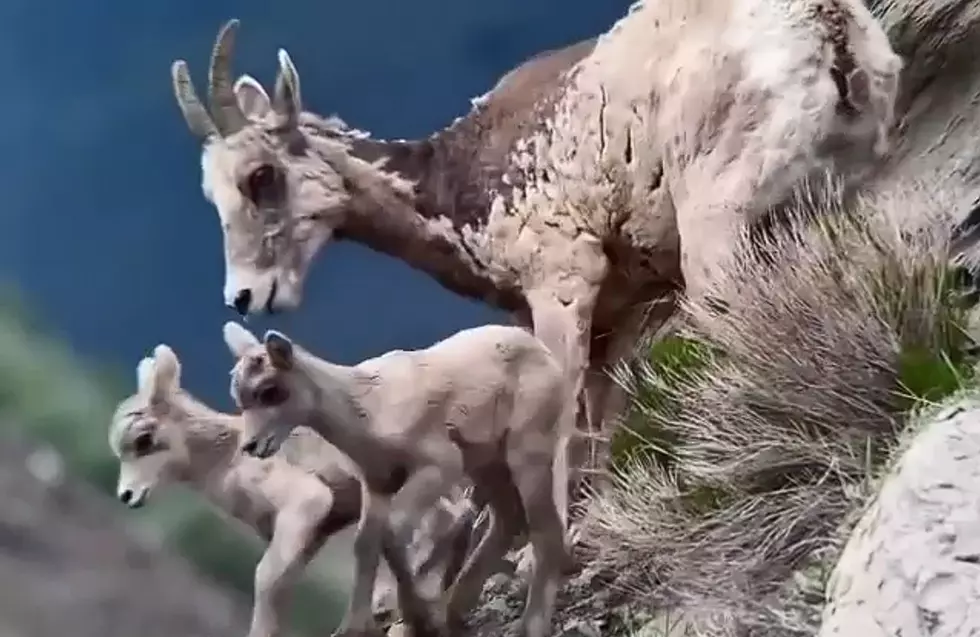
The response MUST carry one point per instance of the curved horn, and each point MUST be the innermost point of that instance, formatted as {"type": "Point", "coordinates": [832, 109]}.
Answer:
{"type": "Point", "coordinates": [196, 116]}
{"type": "Point", "coordinates": [221, 96]}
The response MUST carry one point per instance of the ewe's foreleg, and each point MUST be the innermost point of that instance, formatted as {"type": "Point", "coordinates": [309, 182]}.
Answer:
{"type": "Point", "coordinates": [561, 311]}
{"type": "Point", "coordinates": [293, 545]}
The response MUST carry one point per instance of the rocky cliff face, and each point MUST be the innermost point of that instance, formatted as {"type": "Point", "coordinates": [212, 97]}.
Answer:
{"type": "Point", "coordinates": [912, 565]}
{"type": "Point", "coordinates": [68, 567]}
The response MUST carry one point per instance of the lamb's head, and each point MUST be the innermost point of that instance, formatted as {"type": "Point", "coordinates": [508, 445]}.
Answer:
{"type": "Point", "coordinates": [145, 430]}
{"type": "Point", "coordinates": [279, 199]}
{"type": "Point", "coordinates": [273, 392]}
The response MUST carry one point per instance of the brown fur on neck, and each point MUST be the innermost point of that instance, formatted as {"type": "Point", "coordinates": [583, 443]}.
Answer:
{"type": "Point", "coordinates": [454, 176]}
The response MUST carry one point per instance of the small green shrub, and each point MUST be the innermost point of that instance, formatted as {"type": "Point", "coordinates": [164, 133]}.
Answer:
{"type": "Point", "coordinates": [674, 359]}
{"type": "Point", "coordinates": [753, 434]}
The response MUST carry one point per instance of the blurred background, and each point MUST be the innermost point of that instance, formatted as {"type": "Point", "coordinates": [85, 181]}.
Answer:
{"type": "Point", "coordinates": [107, 247]}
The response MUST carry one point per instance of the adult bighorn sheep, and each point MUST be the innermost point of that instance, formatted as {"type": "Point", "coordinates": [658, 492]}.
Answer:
{"type": "Point", "coordinates": [417, 422]}
{"type": "Point", "coordinates": [588, 183]}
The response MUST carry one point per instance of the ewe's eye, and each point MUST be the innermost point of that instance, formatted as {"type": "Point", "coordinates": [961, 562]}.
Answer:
{"type": "Point", "coordinates": [262, 185]}
{"type": "Point", "coordinates": [143, 444]}
{"type": "Point", "coordinates": [271, 395]}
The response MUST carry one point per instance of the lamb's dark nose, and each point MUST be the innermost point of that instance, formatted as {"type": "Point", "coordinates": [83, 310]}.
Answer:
{"type": "Point", "coordinates": [250, 446]}
{"type": "Point", "coordinates": [242, 301]}
{"type": "Point", "coordinates": [126, 496]}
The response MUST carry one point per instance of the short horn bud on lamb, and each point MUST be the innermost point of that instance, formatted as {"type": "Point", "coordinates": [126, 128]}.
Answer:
{"type": "Point", "coordinates": [404, 418]}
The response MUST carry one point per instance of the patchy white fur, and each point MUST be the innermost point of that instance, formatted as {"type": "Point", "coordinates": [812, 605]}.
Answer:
{"type": "Point", "coordinates": [495, 390]}
{"type": "Point", "coordinates": [688, 120]}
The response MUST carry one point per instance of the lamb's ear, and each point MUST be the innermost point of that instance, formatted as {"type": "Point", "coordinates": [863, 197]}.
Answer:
{"type": "Point", "coordinates": [252, 98]}
{"type": "Point", "coordinates": [280, 349]}
{"type": "Point", "coordinates": [167, 369]}
{"type": "Point", "coordinates": [238, 339]}
{"type": "Point", "coordinates": [286, 99]}
{"type": "Point", "coordinates": [144, 375]}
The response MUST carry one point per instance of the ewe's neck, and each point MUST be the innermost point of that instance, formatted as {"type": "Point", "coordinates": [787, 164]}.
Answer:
{"type": "Point", "coordinates": [417, 201]}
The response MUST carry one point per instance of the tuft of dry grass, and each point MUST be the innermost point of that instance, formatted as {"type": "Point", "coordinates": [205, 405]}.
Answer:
{"type": "Point", "coordinates": [758, 432]}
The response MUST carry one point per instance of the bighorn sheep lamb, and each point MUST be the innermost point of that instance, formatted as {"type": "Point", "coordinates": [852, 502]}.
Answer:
{"type": "Point", "coordinates": [162, 433]}
{"type": "Point", "coordinates": [589, 183]}
{"type": "Point", "coordinates": [400, 418]}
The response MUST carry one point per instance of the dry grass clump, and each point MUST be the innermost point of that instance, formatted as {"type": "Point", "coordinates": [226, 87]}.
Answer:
{"type": "Point", "coordinates": [754, 436]}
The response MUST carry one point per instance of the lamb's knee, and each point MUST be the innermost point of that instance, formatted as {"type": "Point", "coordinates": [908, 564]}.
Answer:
{"type": "Point", "coordinates": [268, 576]}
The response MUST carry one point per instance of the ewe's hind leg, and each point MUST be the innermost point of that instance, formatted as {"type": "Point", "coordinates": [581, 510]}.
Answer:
{"type": "Point", "coordinates": [727, 170]}
{"type": "Point", "coordinates": [293, 545]}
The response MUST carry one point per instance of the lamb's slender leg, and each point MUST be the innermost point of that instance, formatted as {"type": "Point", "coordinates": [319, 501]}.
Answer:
{"type": "Point", "coordinates": [465, 592]}
{"type": "Point", "coordinates": [420, 492]}
{"type": "Point", "coordinates": [534, 478]}
{"type": "Point", "coordinates": [293, 544]}
{"type": "Point", "coordinates": [368, 543]}
{"type": "Point", "coordinates": [415, 613]}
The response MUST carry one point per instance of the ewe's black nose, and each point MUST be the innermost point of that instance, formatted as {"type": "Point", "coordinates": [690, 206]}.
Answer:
{"type": "Point", "coordinates": [126, 496]}
{"type": "Point", "coordinates": [242, 301]}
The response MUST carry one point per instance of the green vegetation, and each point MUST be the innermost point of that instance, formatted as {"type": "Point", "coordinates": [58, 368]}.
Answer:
{"type": "Point", "coordinates": [754, 434]}
{"type": "Point", "coordinates": [54, 397]}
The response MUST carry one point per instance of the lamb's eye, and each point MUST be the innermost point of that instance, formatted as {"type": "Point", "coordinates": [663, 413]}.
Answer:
{"type": "Point", "coordinates": [271, 395]}
{"type": "Point", "coordinates": [143, 444]}
{"type": "Point", "coordinates": [262, 184]}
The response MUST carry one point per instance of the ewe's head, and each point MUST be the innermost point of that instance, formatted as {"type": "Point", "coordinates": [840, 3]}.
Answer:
{"type": "Point", "coordinates": [274, 395]}
{"type": "Point", "coordinates": [145, 430]}
{"type": "Point", "coordinates": [279, 200]}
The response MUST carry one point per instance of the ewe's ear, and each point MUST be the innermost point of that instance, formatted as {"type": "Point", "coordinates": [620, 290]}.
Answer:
{"type": "Point", "coordinates": [286, 99]}
{"type": "Point", "coordinates": [144, 375]}
{"type": "Point", "coordinates": [252, 98]}
{"type": "Point", "coordinates": [238, 339]}
{"type": "Point", "coordinates": [167, 368]}
{"type": "Point", "coordinates": [280, 349]}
